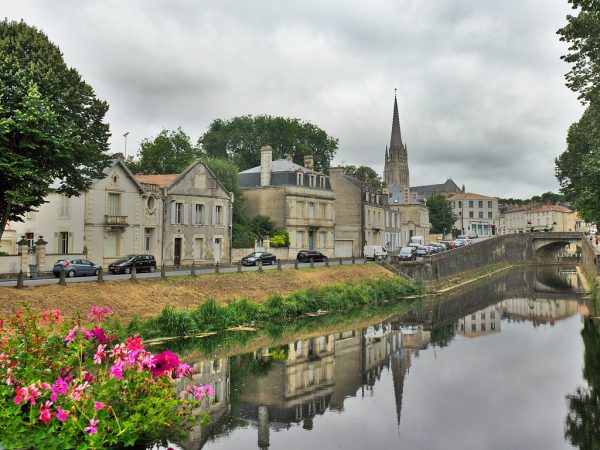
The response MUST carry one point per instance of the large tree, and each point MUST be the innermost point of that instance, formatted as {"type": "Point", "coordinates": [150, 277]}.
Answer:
{"type": "Point", "coordinates": [441, 217]}
{"type": "Point", "coordinates": [52, 130]}
{"type": "Point", "coordinates": [578, 168]}
{"type": "Point", "coordinates": [227, 173]}
{"type": "Point", "coordinates": [365, 174]}
{"type": "Point", "coordinates": [241, 138]}
{"type": "Point", "coordinates": [170, 151]}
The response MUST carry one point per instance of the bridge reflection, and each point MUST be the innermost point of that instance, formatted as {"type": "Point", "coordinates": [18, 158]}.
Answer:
{"type": "Point", "coordinates": [296, 383]}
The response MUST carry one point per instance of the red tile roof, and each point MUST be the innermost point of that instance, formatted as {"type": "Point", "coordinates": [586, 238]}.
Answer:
{"type": "Point", "coordinates": [159, 180]}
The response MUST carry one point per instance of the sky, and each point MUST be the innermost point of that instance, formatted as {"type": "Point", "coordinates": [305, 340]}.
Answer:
{"type": "Point", "coordinates": [480, 84]}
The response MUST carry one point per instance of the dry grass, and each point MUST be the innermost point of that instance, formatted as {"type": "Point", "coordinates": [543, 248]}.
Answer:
{"type": "Point", "coordinates": [147, 298]}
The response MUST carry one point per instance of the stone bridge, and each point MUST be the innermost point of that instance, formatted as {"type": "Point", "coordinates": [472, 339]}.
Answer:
{"type": "Point", "coordinates": [520, 248]}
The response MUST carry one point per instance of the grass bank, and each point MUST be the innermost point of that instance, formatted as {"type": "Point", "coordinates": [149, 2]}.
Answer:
{"type": "Point", "coordinates": [276, 309]}
{"type": "Point", "coordinates": [148, 297]}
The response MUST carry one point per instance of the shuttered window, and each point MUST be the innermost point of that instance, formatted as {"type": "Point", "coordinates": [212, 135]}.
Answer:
{"type": "Point", "coordinates": [114, 205]}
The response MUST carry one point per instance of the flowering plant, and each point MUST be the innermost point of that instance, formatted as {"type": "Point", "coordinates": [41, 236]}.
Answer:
{"type": "Point", "coordinates": [68, 385]}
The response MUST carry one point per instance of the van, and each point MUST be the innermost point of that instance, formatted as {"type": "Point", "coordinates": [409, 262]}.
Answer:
{"type": "Point", "coordinates": [415, 241]}
{"type": "Point", "coordinates": [374, 252]}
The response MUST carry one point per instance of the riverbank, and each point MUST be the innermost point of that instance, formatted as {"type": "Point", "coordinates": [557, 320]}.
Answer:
{"type": "Point", "coordinates": [147, 298]}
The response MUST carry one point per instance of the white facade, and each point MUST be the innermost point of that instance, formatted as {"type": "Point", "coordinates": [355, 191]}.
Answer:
{"type": "Point", "coordinates": [476, 213]}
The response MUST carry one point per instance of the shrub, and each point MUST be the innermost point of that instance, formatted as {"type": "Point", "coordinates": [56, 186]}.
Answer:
{"type": "Point", "coordinates": [280, 239]}
{"type": "Point", "coordinates": [242, 236]}
{"type": "Point", "coordinates": [71, 386]}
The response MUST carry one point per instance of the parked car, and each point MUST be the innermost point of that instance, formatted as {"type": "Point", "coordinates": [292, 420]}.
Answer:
{"type": "Point", "coordinates": [422, 250]}
{"type": "Point", "coordinates": [407, 254]}
{"type": "Point", "coordinates": [143, 263]}
{"type": "Point", "coordinates": [307, 255]}
{"type": "Point", "coordinates": [415, 241]}
{"type": "Point", "coordinates": [374, 252]}
{"type": "Point", "coordinates": [437, 247]}
{"type": "Point", "coordinates": [74, 267]}
{"type": "Point", "coordinates": [253, 258]}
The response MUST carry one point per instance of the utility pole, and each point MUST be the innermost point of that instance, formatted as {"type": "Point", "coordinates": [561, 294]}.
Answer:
{"type": "Point", "coordinates": [125, 136]}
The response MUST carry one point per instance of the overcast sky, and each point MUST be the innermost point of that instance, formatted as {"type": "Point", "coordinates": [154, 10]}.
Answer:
{"type": "Point", "coordinates": [480, 84]}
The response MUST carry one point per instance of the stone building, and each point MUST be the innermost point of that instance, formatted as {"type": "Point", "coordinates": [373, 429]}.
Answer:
{"type": "Point", "coordinates": [362, 216]}
{"type": "Point", "coordinates": [550, 218]}
{"type": "Point", "coordinates": [477, 214]}
{"type": "Point", "coordinates": [297, 199]}
{"type": "Point", "coordinates": [195, 224]}
{"type": "Point", "coordinates": [103, 223]}
{"type": "Point", "coordinates": [413, 212]}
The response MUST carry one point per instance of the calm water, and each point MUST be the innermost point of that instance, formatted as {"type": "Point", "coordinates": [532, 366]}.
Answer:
{"type": "Point", "coordinates": [489, 368]}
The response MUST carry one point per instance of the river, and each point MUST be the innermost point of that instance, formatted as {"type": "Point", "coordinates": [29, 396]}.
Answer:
{"type": "Point", "coordinates": [497, 365]}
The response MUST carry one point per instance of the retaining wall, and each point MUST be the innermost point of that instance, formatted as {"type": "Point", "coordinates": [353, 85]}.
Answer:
{"type": "Point", "coordinates": [590, 258]}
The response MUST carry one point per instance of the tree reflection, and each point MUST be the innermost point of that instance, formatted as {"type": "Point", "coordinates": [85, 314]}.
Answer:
{"type": "Point", "coordinates": [582, 427]}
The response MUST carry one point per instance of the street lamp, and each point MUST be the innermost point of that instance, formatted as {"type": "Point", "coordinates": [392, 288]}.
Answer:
{"type": "Point", "coordinates": [125, 136]}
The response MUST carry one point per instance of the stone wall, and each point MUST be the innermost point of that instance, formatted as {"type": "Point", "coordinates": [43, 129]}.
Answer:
{"type": "Point", "coordinates": [590, 258]}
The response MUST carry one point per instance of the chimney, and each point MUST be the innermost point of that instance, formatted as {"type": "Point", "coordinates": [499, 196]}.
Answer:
{"type": "Point", "coordinates": [308, 162]}
{"type": "Point", "coordinates": [266, 157]}
{"type": "Point", "coordinates": [119, 155]}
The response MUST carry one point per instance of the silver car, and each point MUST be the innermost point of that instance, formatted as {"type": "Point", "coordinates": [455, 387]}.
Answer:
{"type": "Point", "coordinates": [75, 267]}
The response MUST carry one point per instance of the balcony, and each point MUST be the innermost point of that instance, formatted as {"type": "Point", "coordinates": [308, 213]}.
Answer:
{"type": "Point", "coordinates": [115, 221]}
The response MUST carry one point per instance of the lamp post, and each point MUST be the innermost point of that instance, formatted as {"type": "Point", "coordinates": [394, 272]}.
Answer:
{"type": "Point", "coordinates": [125, 136]}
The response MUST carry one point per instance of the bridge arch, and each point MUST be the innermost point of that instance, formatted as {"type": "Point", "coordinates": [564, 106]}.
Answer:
{"type": "Point", "coordinates": [548, 251]}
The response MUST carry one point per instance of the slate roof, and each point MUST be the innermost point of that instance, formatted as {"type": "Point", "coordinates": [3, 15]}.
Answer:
{"type": "Point", "coordinates": [448, 186]}
{"type": "Point", "coordinates": [397, 197]}
{"type": "Point", "coordinates": [283, 173]}
{"type": "Point", "coordinates": [279, 165]}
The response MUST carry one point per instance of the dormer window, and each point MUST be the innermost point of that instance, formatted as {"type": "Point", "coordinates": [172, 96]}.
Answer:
{"type": "Point", "coordinates": [313, 180]}
{"type": "Point", "coordinates": [300, 179]}
{"type": "Point", "coordinates": [322, 182]}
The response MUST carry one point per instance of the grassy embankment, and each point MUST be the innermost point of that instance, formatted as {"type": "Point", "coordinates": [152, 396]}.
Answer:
{"type": "Point", "coordinates": [185, 305]}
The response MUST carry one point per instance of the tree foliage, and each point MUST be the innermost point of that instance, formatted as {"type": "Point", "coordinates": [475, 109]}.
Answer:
{"type": "Point", "coordinates": [51, 123]}
{"type": "Point", "coordinates": [227, 174]}
{"type": "Point", "coordinates": [545, 198]}
{"type": "Point", "coordinates": [170, 151]}
{"type": "Point", "coordinates": [578, 168]}
{"type": "Point", "coordinates": [441, 217]}
{"type": "Point", "coordinates": [366, 175]}
{"type": "Point", "coordinates": [240, 139]}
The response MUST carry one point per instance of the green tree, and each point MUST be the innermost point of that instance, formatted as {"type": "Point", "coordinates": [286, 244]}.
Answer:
{"type": "Point", "coordinates": [51, 124]}
{"type": "Point", "coordinates": [582, 34]}
{"type": "Point", "coordinates": [441, 217]}
{"type": "Point", "coordinates": [240, 139]}
{"type": "Point", "coordinates": [169, 152]}
{"type": "Point", "coordinates": [578, 167]}
{"type": "Point", "coordinates": [365, 174]}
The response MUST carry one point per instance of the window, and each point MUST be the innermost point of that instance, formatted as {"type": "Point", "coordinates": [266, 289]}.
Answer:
{"type": "Point", "coordinates": [490, 204]}
{"type": "Point", "coordinates": [148, 239]}
{"type": "Point", "coordinates": [198, 214]}
{"type": "Point", "coordinates": [473, 317]}
{"type": "Point", "coordinates": [312, 180]}
{"type": "Point", "coordinates": [322, 182]}
{"type": "Point", "coordinates": [299, 178]}
{"type": "Point", "coordinates": [299, 239]}
{"type": "Point", "coordinates": [322, 239]}
{"type": "Point", "coordinates": [112, 244]}
{"type": "Point", "coordinates": [471, 214]}
{"type": "Point", "coordinates": [489, 214]}
{"type": "Point", "coordinates": [470, 203]}
{"type": "Point", "coordinates": [114, 205]}
{"type": "Point", "coordinates": [64, 210]}
{"type": "Point", "coordinates": [460, 204]}
{"type": "Point", "coordinates": [473, 327]}
{"type": "Point", "coordinates": [218, 215]}
{"type": "Point", "coordinates": [481, 214]}
{"type": "Point", "coordinates": [150, 202]}
{"type": "Point", "coordinates": [493, 315]}
{"type": "Point", "coordinates": [29, 239]}
{"type": "Point", "coordinates": [369, 217]}
{"type": "Point", "coordinates": [481, 203]}
{"type": "Point", "coordinates": [483, 316]}
{"type": "Point", "coordinates": [460, 213]}
{"type": "Point", "coordinates": [492, 326]}
{"type": "Point", "coordinates": [311, 210]}
{"type": "Point", "coordinates": [483, 327]}
{"type": "Point", "coordinates": [63, 243]}
{"type": "Point", "coordinates": [179, 212]}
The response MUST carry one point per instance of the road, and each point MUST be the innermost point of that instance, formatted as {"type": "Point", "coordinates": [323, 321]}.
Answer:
{"type": "Point", "coordinates": [175, 272]}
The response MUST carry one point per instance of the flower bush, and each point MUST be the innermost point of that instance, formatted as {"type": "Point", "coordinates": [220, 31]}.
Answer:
{"type": "Point", "coordinates": [68, 385]}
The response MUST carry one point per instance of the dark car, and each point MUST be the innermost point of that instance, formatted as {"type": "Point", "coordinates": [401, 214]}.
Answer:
{"type": "Point", "coordinates": [307, 255]}
{"type": "Point", "coordinates": [423, 250]}
{"type": "Point", "coordinates": [143, 263]}
{"type": "Point", "coordinates": [253, 258]}
{"type": "Point", "coordinates": [74, 267]}
{"type": "Point", "coordinates": [407, 254]}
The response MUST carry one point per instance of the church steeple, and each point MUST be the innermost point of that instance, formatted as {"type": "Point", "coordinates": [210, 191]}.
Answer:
{"type": "Point", "coordinates": [396, 162]}
{"type": "Point", "coordinates": [386, 154]}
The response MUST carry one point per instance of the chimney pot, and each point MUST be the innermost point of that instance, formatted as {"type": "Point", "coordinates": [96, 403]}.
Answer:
{"type": "Point", "coordinates": [308, 162]}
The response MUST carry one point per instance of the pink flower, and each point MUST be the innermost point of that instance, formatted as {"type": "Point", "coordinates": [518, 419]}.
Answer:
{"type": "Point", "coordinates": [59, 388]}
{"type": "Point", "coordinates": [116, 371]}
{"type": "Point", "coordinates": [99, 313]}
{"type": "Point", "coordinates": [100, 336]}
{"type": "Point", "coordinates": [98, 406]}
{"type": "Point", "coordinates": [100, 353]}
{"type": "Point", "coordinates": [45, 414]}
{"type": "Point", "coordinates": [184, 370]}
{"type": "Point", "coordinates": [49, 315]}
{"type": "Point", "coordinates": [199, 392]}
{"type": "Point", "coordinates": [164, 362]}
{"type": "Point", "coordinates": [71, 336]}
{"type": "Point", "coordinates": [26, 394]}
{"type": "Point", "coordinates": [92, 428]}
{"type": "Point", "coordinates": [61, 414]}
{"type": "Point", "coordinates": [78, 391]}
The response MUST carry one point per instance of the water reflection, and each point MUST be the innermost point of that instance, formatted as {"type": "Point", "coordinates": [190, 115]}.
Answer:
{"type": "Point", "coordinates": [275, 391]}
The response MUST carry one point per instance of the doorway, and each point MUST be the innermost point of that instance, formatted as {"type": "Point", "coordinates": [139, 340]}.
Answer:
{"type": "Point", "coordinates": [311, 240]}
{"type": "Point", "coordinates": [177, 254]}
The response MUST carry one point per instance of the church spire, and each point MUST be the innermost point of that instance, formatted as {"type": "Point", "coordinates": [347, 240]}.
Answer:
{"type": "Point", "coordinates": [396, 145]}
{"type": "Point", "coordinates": [386, 154]}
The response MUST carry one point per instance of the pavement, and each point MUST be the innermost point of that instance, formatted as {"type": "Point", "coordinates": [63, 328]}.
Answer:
{"type": "Point", "coordinates": [170, 273]}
